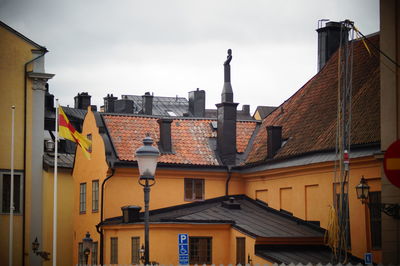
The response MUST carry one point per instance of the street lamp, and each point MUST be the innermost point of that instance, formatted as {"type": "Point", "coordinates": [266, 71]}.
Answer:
{"type": "Point", "coordinates": [147, 161]}
{"type": "Point", "coordinates": [87, 246]}
{"type": "Point", "coordinates": [35, 248]}
{"type": "Point", "coordinates": [391, 209]}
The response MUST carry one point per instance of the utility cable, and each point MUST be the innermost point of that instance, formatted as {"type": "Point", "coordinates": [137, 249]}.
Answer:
{"type": "Point", "coordinates": [377, 48]}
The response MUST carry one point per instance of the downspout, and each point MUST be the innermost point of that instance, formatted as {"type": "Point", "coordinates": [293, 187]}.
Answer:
{"type": "Point", "coordinates": [99, 230]}
{"type": "Point", "coordinates": [228, 170]}
{"type": "Point", "coordinates": [24, 179]}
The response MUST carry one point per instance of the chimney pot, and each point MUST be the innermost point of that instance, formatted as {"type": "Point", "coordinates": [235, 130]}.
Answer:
{"type": "Point", "coordinates": [82, 101]}
{"type": "Point", "coordinates": [197, 103]}
{"type": "Point", "coordinates": [147, 104]}
{"type": "Point", "coordinates": [130, 214]}
{"type": "Point", "coordinates": [329, 41]}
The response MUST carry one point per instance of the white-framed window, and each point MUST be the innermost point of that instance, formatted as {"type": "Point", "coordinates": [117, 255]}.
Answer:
{"type": "Point", "coordinates": [5, 190]}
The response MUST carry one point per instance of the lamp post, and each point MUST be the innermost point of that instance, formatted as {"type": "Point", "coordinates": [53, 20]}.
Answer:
{"type": "Point", "coordinates": [391, 209]}
{"type": "Point", "coordinates": [147, 162]}
{"type": "Point", "coordinates": [87, 246]}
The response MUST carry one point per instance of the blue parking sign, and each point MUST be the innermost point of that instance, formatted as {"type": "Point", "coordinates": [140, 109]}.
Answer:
{"type": "Point", "coordinates": [368, 258]}
{"type": "Point", "coordinates": [183, 249]}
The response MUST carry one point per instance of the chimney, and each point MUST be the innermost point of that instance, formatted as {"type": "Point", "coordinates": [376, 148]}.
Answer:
{"type": "Point", "coordinates": [165, 144]}
{"type": "Point", "coordinates": [147, 104]}
{"type": "Point", "coordinates": [329, 41]}
{"type": "Point", "coordinates": [246, 109]}
{"type": "Point", "coordinates": [109, 103]}
{"type": "Point", "coordinates": [197, 103]}
{"type": "Point", "coordinates": [82, 101]}
{"type": "Point", "coordinates": [123, 106]}
{"type": "Point", "coordinates": [130, 214]}
{"type": "Point", "coordinates": [49, 99]}
{"type": "Point", "coordinates": [274, 140]}
{"type": "Point", "coordinates": [226, 115]}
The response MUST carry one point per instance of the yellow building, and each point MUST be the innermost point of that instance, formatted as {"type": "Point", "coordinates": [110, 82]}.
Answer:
{"type": "Point", "coordinates": [284, 165]}
{"type": "Point", "coordinates": [22, 84]}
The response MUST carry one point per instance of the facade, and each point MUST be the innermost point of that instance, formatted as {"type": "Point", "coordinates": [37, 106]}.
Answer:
{"type": "Point", "coordinates": [286, 163]}
{"type": "Point", "coordinates": [22, 84]}
{"type": "Point", "coordinates": [390, 120]}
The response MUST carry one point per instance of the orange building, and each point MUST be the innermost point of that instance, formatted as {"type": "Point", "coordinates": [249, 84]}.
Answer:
{"type": "Point", "coordinates": [280, 172]}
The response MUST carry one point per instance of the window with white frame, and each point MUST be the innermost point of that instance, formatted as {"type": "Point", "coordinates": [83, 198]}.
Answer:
{"type": "Point", "coordinates": [5, 190]}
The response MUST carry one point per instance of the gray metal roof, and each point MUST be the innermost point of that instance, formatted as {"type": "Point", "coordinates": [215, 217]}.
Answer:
{"type": "Point", "coordinates": [162, 105]}
{"type": "Point", "coordinates": [65, 160]}
{"type": "Point", "coordinates": [295, 254]}
{"type": "Point", "coordinates": [253, 218]}
{"type": "Point", "coordinates": [308, 159]}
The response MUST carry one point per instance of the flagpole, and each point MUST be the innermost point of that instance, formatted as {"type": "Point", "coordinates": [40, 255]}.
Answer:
{"type": "Point", "coordinates": [55, 191]}
{"type": "Point", "coordinates": [10, 245]}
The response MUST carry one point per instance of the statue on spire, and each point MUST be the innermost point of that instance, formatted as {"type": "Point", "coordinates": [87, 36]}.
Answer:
{"type": "Point", "coordinates": [227, 93]}
{"type": "Point", "coordinates": [227, 67]}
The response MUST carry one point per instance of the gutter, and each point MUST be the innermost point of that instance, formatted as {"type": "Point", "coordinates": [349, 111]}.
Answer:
{"type": "Point", "coordinates": [99, 230]}
{"type": "Point", "coordinates": [44, 50]}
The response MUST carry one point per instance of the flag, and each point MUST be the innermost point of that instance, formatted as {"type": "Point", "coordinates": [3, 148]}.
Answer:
{"type": "Point", "coordinates": [67, 131]}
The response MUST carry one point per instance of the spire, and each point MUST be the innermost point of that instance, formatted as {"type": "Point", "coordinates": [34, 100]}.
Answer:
{"type": "Point", "coordinates": [227, 92]}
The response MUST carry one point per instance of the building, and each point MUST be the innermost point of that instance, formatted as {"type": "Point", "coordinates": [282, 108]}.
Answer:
{"type": "Point", "coordinates": [390, 120]}
{"type": "Point", "coordinates": [286, 163]}
{"type": "Point", "coordinates": [22, 84]}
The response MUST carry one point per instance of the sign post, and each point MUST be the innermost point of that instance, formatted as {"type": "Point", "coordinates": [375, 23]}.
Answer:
{"type": "Point", "coordinates": [368, 258]}
{"type": "Point", "coordinates": [183, 249]}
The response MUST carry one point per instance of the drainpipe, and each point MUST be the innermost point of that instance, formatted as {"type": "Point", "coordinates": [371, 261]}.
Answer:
{"type": "Point", "coordinates": [228, 170]}
{"type": "Point", "coordinates": [44, 50]}
{"type": "Point", "coordinates": [99, 230]}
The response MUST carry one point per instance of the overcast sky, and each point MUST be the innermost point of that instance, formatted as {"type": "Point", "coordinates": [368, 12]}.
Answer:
{"type": "Point", "coordinates": [170, 47]}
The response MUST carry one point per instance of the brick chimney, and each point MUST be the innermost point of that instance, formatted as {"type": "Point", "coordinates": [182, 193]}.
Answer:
{"type": "Point", "coordinates": [226, 124]}
{"type": "Point", "coordinates": [82, 101]}
{"type": "Point", "coordinates": [274, 140]}
{"type": "Point", "coordinates": [165, 144]}
{"type": "Point", "coordinates": [147, 104]}
{"type": "Point", "coordinates": [197, 103]}
{"type": "Point", "coordinates": [109, 103]}
{"type": "Point", "coordinates": [329, 41]}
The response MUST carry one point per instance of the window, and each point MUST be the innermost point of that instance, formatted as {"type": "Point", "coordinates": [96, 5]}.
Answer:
{"type": "Point", "coordinates": [375, 219]}
{"type": "Point", "coordinates": [81, 255]}
{"type": "Point", "coordinates": [89, 137]}
{"type": "Point", "coordinates": [5, 183]}
{"type": "Point", "coordinates": [200, 249]}
{"type": "Point", "coordinates": [194, 189]}
{"type": "Point", "coordinates": [95, 196]}
{"type": "Point", "coordinates": [94, 253]}
{"type": "Point", "coordinates": [240, 250]}
{"type": "Point", "coordinates": [114, 250]}
{"type": "Point", "coordinates": [135, 250]}
{"type": "Point", "coordinates": [82, 198]}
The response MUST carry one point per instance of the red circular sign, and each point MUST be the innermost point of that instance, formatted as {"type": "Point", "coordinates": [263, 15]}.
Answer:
{"type": "Point", "coordinates": [391, 163]}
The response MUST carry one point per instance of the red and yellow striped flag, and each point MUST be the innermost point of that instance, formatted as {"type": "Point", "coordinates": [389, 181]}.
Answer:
{"type": "Point", "coordinates": [67, 131]}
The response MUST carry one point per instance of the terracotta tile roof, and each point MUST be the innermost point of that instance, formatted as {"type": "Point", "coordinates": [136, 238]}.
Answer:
{"type": "Point", "coordinates": [190, 138]}
{"type": "Point", "coordinates": [308, 118]}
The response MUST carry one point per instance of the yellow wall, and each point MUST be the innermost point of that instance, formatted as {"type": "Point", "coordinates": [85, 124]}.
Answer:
{"type": "Point", "coordinates": [64, 215]}
{"type": "Point", "coordinates": [14, 53]}
{"type": "Point", "coordinates": [164, 242]}
{"type": "Point", "coordinates": [86, 171]}
{"type": "Point", "coordinates": [307, 192]}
